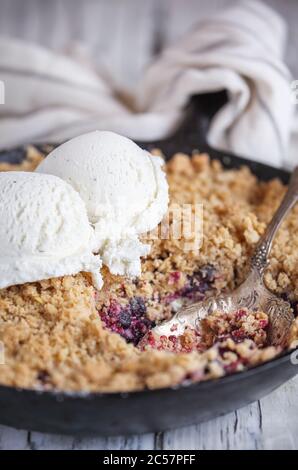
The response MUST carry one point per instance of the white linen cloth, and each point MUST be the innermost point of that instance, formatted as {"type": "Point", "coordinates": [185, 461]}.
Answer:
{"type": "Point", "coordinates": [52, 97]}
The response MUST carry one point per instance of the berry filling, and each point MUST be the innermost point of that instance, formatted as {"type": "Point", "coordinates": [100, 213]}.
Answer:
{"type": "Point", "coordinates": [131, 321]}
{"type": "Point", "coordinates": [128, 320]}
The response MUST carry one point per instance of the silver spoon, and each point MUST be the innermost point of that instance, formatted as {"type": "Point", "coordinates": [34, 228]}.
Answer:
{"type": "Point", "coordinates": [251, 294]}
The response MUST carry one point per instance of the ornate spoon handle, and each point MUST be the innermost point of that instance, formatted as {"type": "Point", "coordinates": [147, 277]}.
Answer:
{"type": "Point", "coordinates": [260, 257]}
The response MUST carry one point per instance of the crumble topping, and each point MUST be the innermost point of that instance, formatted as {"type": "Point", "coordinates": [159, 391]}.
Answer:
{"type": "Point", "coordinates": [217, 327]}
{"type": "Point", "coordinates": [62, 334]}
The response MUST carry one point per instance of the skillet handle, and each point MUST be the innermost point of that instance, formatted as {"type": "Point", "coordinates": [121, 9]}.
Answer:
{"type": "Point", "coordinates": [191, 133]}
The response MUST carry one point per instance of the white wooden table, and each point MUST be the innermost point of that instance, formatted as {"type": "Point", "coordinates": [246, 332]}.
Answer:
{"type": "Point", "coordinates": [123, 36]}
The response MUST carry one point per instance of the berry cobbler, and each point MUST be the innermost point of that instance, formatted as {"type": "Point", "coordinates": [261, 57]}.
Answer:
{"type": "Point", "coordinates": [64, 334]}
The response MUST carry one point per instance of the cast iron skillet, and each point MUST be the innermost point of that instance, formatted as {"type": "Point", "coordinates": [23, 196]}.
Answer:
{"type": "Point", "coordinates": [147, 411]}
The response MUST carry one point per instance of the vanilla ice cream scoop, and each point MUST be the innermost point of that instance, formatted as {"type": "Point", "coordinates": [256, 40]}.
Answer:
{"type": "Point", "coordinates": [44, 230]}
{"type": "Point", "coordinates": [123, 187]}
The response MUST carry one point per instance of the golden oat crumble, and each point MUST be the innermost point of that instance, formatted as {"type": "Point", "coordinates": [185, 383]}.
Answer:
{"type": "Point", "coordinates": [57, 333]}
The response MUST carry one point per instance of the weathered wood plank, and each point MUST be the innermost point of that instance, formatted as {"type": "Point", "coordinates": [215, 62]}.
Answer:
{"type": "Point", "coordinates": [142, 442]}
{"type": "Point", "coordinates": [279, 418]}
{"type": "Point", "coordinates": [12, 439]}
{"type": "Point", "coordinates": [237, 430]}
{"type": "Point", "coordinates": [39, 441]}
